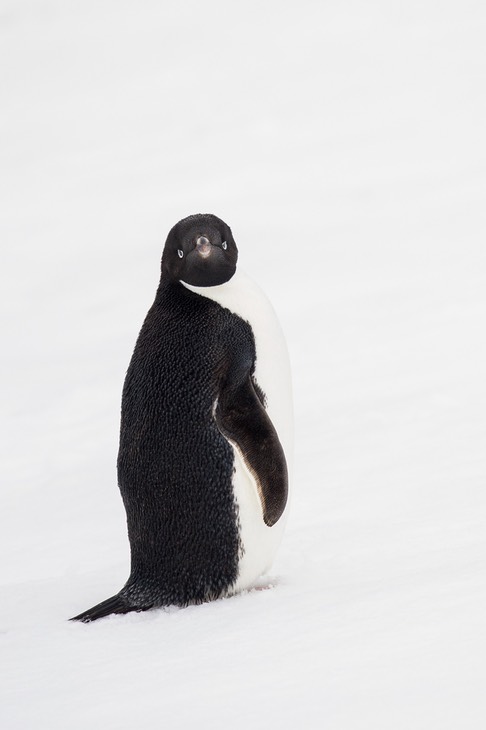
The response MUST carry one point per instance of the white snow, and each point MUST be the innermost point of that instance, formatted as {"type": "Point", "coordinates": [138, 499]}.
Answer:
{"type": "Point", "coordinates": [344, 143]}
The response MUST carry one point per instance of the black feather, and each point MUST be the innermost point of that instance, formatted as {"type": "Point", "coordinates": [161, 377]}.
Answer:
{"type": "Point", "coordinates": [115, 604]}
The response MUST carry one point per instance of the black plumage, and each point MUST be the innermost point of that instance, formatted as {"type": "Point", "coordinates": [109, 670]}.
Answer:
{"type": "Point", "coordinates": [190, 380]}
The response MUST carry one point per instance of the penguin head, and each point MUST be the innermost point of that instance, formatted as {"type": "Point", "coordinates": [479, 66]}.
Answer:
{"type": "Point", "coordinates": [200, 250]}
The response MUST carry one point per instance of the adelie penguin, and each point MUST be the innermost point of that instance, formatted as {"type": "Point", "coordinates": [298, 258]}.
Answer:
{"type": "Point", "coordinates": [206, 430]}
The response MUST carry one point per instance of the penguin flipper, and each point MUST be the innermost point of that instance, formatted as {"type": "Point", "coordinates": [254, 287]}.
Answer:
{"type": "Point", "coordinates": [243, 420]}
{"type": "Point", "coordinates": [115, 604]}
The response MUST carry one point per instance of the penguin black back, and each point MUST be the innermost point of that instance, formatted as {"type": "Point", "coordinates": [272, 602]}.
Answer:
{"type": "Point", "coordinates": [174, 466]}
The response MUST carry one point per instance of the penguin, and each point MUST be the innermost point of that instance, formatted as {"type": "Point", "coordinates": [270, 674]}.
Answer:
{"type": "Point", "coordinates": [206, 430]}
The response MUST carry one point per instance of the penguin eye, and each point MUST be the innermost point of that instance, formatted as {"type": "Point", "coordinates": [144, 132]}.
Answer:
{"type": "Point", "coordinates": [224, 245]}
{"type": "Point", "coordinates": [180, 252]}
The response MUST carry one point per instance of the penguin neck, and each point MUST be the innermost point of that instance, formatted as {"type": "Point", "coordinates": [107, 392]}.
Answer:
{"type": "Point", "coordinates": [240, 294]}
{"type": "Point", "coordinates": [221, 292]}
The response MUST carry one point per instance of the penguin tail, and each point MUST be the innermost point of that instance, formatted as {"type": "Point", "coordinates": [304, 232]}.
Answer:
{"type": "Point", "coordinates": [115, 604]}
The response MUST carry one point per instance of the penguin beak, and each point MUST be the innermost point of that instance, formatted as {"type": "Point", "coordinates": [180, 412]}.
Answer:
{"type": "Point", "coordinates": [203, 246]}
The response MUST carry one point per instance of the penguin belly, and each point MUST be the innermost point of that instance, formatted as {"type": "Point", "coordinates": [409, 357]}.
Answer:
{"type": "Point", "coordinates": [258, 542]}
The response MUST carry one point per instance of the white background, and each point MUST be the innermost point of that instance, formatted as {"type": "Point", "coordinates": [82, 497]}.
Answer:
{"type": "Point", "coordinates": [344, 144]}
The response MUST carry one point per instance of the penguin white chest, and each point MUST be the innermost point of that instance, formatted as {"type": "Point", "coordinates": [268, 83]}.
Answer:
{"type": "Point", "coordinates": [258, 541]}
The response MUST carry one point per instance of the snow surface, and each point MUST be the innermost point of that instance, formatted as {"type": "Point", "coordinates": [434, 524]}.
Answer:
{"type": "Point", "coordinates": [344, 142]}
